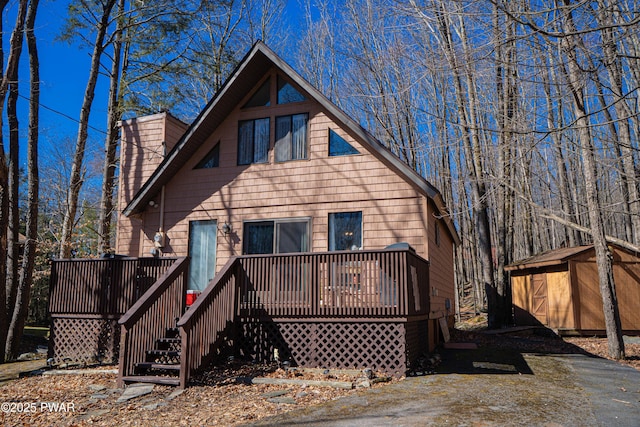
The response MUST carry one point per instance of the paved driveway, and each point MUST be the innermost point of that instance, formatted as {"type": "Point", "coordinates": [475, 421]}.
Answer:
{"type": "Point", "coordinates": [491, 387]}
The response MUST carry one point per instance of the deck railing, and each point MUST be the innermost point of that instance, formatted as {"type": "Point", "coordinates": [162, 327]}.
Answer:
{"type": "Point", "coordinates": [106, 286]}
{"type": "Point", "coordinates": [158, 309]}
{"type": "Point", "coordinates": [86, 299]}
{"type": "Point", "coordinates": [330, 286]}
{"type": "Point", "coordinates": [335, 284]}
{"type": "Point", "coordinates": [203, 326]}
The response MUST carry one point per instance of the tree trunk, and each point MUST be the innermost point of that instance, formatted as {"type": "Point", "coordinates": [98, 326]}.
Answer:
{"type": "Point", "coordinates": [77, 175]}
{"type": "Point", "coordinates": [603, 255]}
{"type": "Point", "coordinates": [10, 83]}
{"type": "Point", "coordinates": [21, 309]}
{"type": "Point", "coordinates": [4, 208]}
{"type": "Point", "coordinates": [111, 142]}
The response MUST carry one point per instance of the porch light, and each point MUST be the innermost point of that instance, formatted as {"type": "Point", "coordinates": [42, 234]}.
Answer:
{"type": "Point", "coordinates": [226, 228]}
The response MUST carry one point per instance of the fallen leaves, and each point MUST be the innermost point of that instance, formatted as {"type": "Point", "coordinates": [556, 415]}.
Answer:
{"type": "Point", "coordinates": [220, 396]}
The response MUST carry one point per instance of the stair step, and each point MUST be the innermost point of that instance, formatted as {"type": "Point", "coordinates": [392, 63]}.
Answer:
{"type": "Point", "coordinates": [169, 340]}
{"type": "Point", "coordinates": [168, 344]}
{"type": "Point", "coordinates": [166, 353]}
{"type": "Point", "coordinates": [172, 332]}
{"type": "Point", "coordinates": [165, 366]}
{"type": "Point", "coordinates": [151, 379]}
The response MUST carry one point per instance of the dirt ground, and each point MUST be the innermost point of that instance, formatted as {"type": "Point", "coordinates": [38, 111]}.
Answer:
{"type": "Point", "coordinates": [223, 396]}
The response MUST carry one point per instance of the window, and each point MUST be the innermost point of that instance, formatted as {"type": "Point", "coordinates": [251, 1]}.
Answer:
{"type": "Point", "coordinates": [291, 137]}
{"type": "Point", "coordinates": [437, 232]}
{"type": "Point", "coordinates": [338, 146]}
{"type": "Point", "coordinates": [211, 160]}
{"type": "Point", "coordinates": [287, 93]}
{"type": "Point", "coordinates": [345, 231]}
{"type": "Point", "coordinates": [276, 236]}
{"type": "Point", "coordinates": [202, 253]}
{"type": "Point", "coordinates": [262, 97]}
{"type": "Point", "coordinates": [253, 141]}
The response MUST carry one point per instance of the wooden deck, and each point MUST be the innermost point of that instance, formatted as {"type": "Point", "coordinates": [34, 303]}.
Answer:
{"type": "Point", "coordinates": [87, 297]}
{"type": "Point", "coordinates": [355, 309]}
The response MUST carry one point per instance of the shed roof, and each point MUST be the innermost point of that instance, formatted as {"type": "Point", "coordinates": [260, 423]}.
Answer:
{"type": "Point", "coordinates": [549, 258]}
{"type": "Point", "coordinates": [244, 78]}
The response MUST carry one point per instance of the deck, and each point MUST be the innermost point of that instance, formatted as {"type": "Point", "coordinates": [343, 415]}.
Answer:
{"type": "Point", "coordinates": [351, 309]}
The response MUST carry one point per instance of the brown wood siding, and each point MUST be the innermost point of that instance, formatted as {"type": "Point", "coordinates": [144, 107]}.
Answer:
{"type": "Point", "coordinates": [591, 315]}
{"type": "Point", "coordinates": [521, 297]}
{"type": "Point", "coordinates": [393, 210]}
{"type": "Point", "coordinates": [141, 153]}
{"type": "Point", "coordinates": [560, 303]}
{"type": "Point", "coordinates": [441, 274]}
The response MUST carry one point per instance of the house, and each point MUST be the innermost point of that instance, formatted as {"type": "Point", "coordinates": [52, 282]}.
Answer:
{"type": "Point", "coordinates": [304, 237]}
{"type": "Point", "coordinates": [560, 289]}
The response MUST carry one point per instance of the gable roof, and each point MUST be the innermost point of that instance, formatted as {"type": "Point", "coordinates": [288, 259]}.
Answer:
{"type": "Point", "coordinates": [246, 75]}
{"type": "Point", "coordinates": [549, 258]}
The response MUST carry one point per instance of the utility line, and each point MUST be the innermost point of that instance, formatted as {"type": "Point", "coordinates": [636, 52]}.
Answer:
{"type": "Point", "coordinates": [63, 114]}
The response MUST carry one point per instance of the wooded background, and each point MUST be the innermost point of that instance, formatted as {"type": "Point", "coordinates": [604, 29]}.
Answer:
{"type": "Point", "coordinates": [523, 113]}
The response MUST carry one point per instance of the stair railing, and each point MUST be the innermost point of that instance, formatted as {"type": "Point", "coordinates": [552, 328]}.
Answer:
{"type": "Point", "coordinates": [157, 309]}
{"type": "Point", "coordinates": [203, 325]}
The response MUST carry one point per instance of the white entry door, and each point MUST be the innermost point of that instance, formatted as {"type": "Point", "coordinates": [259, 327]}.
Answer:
{"type": "Point", "coordinates": [202, 250]}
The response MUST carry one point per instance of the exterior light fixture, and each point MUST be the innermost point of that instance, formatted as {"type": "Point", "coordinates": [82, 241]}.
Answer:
{"type": "Point", "coordinates": [226, 228]}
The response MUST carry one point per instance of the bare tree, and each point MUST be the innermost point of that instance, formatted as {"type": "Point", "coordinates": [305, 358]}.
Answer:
{"type": "Point", "coordinates": [76, 178]}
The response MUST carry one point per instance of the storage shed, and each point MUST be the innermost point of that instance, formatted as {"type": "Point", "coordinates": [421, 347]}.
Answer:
{"type": "Point", "coordinates": [560, 289]}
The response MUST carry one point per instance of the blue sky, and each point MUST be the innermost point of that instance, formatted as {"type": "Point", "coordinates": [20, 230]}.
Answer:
{"type": "Point", "coordinates": [64, 71]}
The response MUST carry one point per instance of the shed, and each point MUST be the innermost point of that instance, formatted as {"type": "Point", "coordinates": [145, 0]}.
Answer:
{"type": "Point", "coordinates": [560, 289]}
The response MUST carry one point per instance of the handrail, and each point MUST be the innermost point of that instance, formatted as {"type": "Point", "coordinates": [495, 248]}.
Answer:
{"type": "Point", "coordinates": [202, 326]}
{"type": "Point", "coordinates": [336, 285]}
{"type": "Point", "coordinates": [147, 319]}
{"type": "Point", "coordinates": [151, 295]}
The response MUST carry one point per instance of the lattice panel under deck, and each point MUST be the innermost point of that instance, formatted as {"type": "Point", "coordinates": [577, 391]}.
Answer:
{"type": "Point", "coordinates": [379, 346]}
{"type": "Point", "coordinates": [84, 340]}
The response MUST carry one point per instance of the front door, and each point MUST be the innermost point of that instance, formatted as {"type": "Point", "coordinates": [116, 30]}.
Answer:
{"type": "Point", "coordinates": [202, 250]}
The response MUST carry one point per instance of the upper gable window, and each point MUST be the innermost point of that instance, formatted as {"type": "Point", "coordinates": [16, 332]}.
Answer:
{"type": "Point", "coordinates": [287, 93]}
{"type": "Point", "coordinates": [291, 137]}
{"type": "Point", "coordinates": [253, 141]}
{"type": "Point", "coordinates": [262, 97]}
{"type": "Point", "coordinates": [338, 146]}
{"type": "Point", "coordinates": [211, 160]}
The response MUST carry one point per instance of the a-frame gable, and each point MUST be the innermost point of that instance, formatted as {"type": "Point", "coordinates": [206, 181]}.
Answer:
{"type": "Point", "coordinates": [244, 79]}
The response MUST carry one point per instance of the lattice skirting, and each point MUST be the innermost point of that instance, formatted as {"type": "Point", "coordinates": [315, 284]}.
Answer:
{"type": "Point", "coordinates": [383, 347]}
{"type": "Point", "coordinates": [84, 341]}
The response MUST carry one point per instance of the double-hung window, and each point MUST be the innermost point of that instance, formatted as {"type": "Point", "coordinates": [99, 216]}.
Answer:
{"type": "Point", "coordinates": [253, 141]}
{"type": "Point", "coordinates": [291, 137]}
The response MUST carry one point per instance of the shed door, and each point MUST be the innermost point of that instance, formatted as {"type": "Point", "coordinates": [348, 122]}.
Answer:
{"type": "Point", "coordinates": [539, 297]}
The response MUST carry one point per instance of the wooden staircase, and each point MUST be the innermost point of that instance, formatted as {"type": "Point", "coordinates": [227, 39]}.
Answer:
{"type": "Point", "coordinates": [162, 364]}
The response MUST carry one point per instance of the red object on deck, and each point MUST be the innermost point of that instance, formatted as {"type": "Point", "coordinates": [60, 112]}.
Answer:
{"type": "Point", "coordinates": [191, 297]}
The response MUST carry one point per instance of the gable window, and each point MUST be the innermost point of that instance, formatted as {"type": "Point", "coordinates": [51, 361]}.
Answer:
{"type": "Point", "coordinates": [262, 96]}
{"type": "Point", "coordinates": [287, 93]}
{"type": "Point", "coordinates": [345, 231]}
{"type": "Point", "coordinates": [338, 146]}
{"type": "Point", "coordinates": [253, 141]}
{"type": "Point", "coordinates": [211, 160]}
{"type": "Point", "coordinates": [276, 236]}
{"type": "Point", "coordinates": [291, 137]}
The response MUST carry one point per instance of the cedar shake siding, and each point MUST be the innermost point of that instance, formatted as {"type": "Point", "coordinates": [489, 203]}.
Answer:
{"type": "Point", "coordinates": [396, 204]}
{"type": "Point", "coordinates": [141, 152]}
